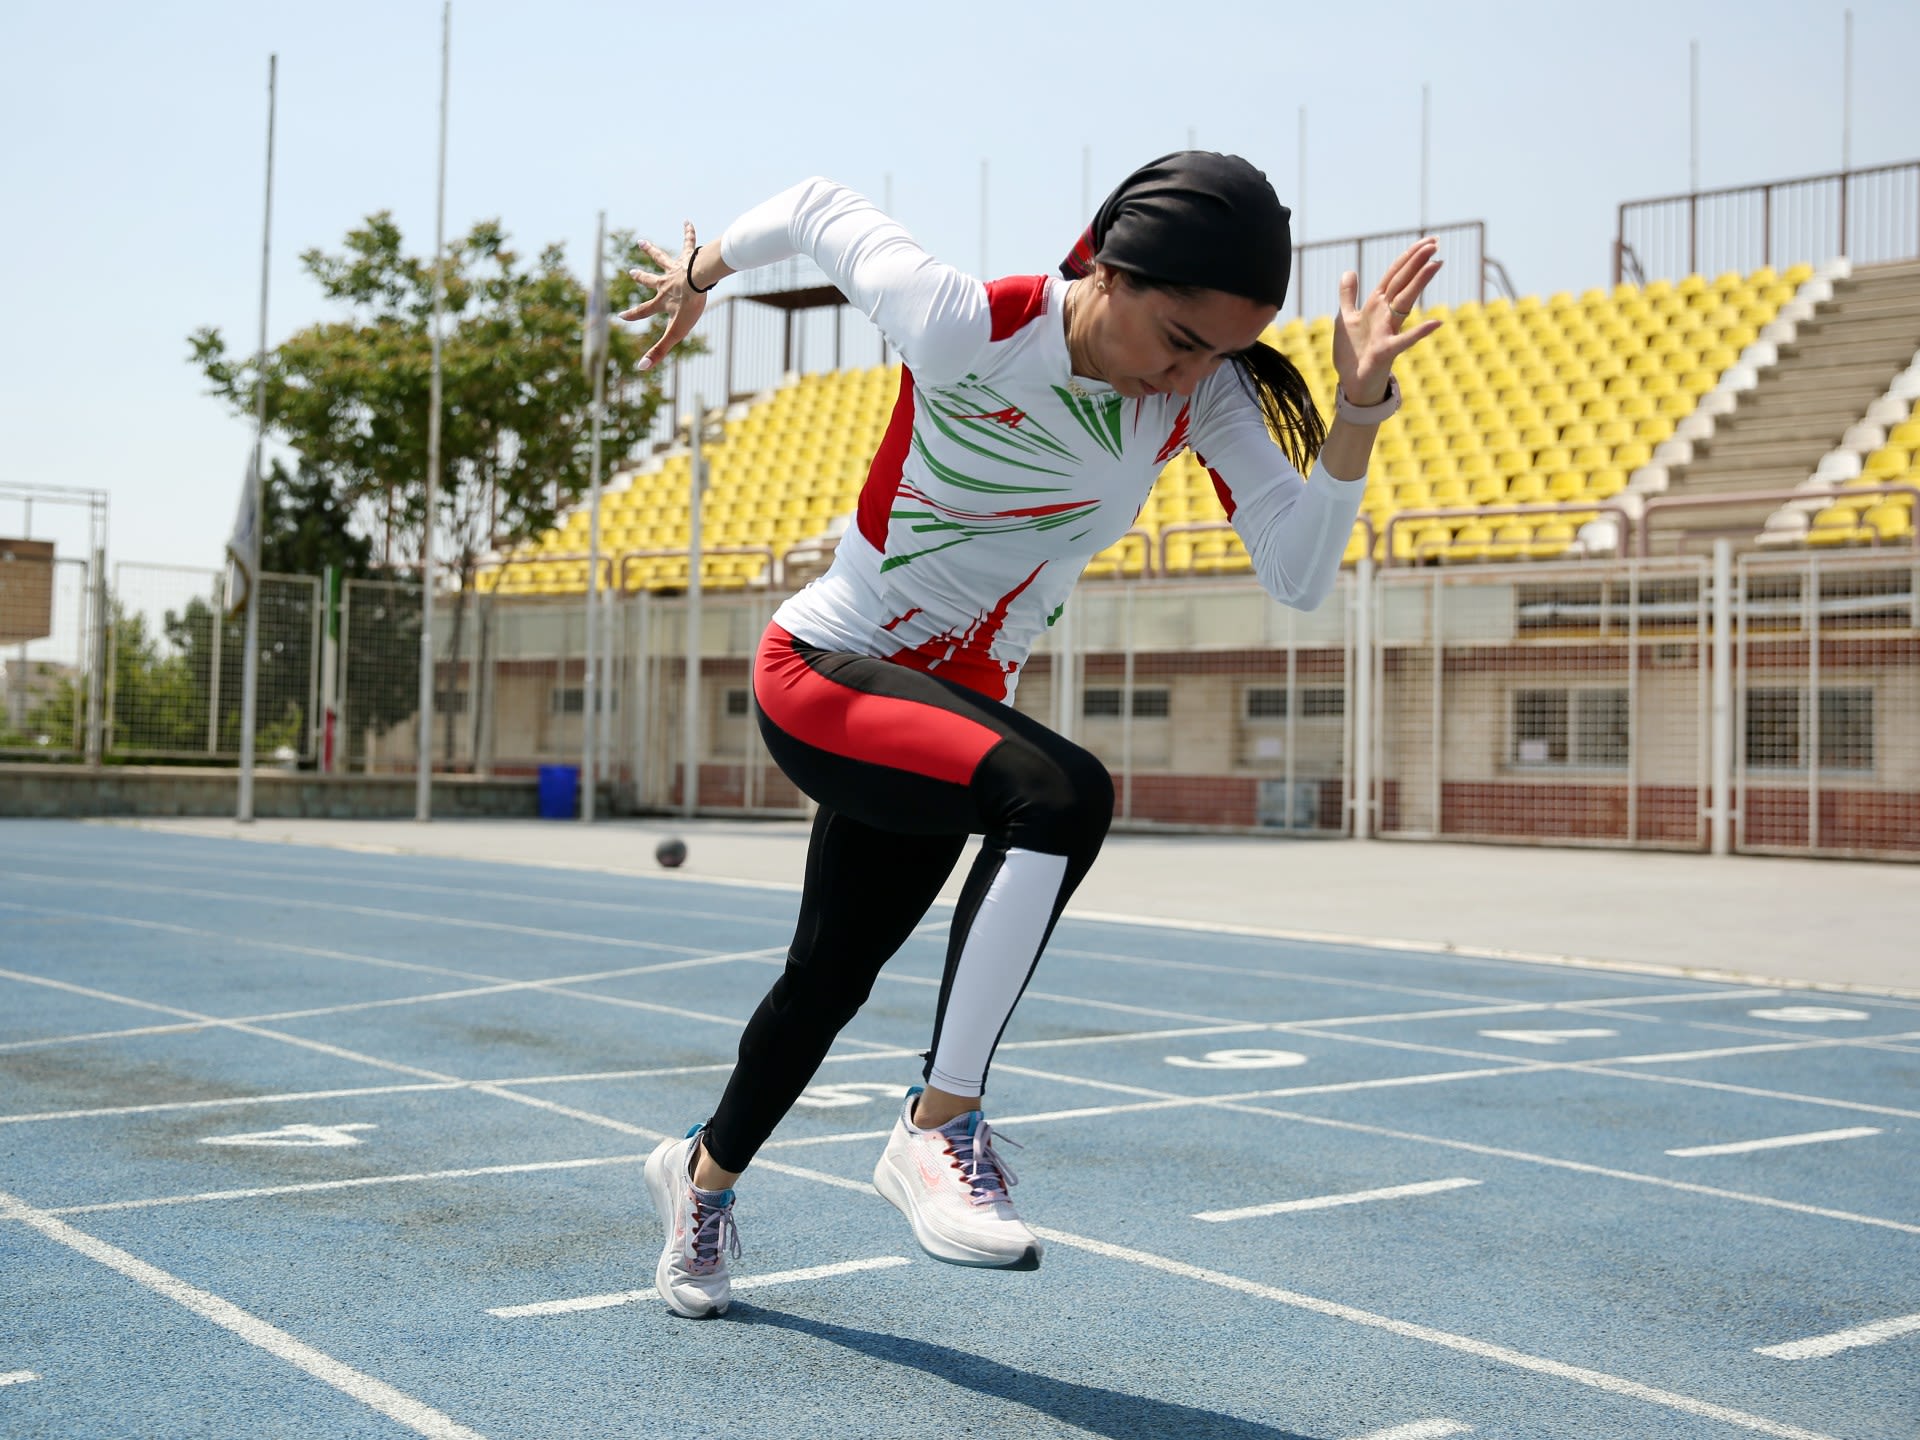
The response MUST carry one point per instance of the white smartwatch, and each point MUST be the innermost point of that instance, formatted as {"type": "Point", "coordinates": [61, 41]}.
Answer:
{"type": "Point", "coordinates": [1345, 409]}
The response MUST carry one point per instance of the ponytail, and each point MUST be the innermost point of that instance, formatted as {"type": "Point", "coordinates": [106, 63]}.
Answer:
{"type": "Point", "coordinates": [1285, 401]}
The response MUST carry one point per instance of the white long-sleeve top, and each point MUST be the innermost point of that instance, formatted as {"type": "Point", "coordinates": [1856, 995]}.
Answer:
{"type": "Point", "coordinates": [1001, 474]}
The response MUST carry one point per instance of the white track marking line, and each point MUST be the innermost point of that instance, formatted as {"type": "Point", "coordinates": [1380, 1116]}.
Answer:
{"type": "Point", "coordinates": [1328, 1202]}
{"type": "Point", "coordinates": [1692, 1082]}
{"type": "Point", "coordinates": [311, 1187]}
{"type": "Point", "coordinates": [532, 932]}
{"type": "Point", "coordinates": [1778, 1142]}
{"type": "Point", "coordinates": [359, 881]}
{"type": "Point", "coordinates": [1818, 1347]}
{"type": "Point", "coordinates": [1326, 1307]}
{"type": "Point", "coordinates": [17, 1377]}
{"type": "Point", "coordinates": [622, 1127]}
{"type": "Point", "coordinates": [1419, 1430]}
{"type": "Point", "coordinates": [1139, 1107]}
{"type": "Point", "coordinates": [375, 1394]}
{"type": "Point", "coordinates": [1501, 1354]}
{"type": "Point", "coordinates": [1168, 1100]}
{"type": "Point", "coordinates": [749, 1282]}
{"type": "Point", "coordinates": [1482, 955]}
{"type": "Point", "coordinates": [1580, 1167]}
{"type": "Point", "coordinates": [1489, 955]}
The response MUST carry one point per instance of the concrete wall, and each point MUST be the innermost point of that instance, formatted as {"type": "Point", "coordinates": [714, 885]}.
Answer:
{"type": "Point", "coordinates": [76, 790]}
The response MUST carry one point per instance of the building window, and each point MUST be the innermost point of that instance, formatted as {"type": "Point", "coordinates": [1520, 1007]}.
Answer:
{"type": "Point", "coordinates": [450, 702]}
{"type": "Point", "coordinates": [572, 700]}
{"type": "Point", "coordinates": [1317, 702]}
{"type": "Point", "coordinates": [1777, 728]}
{"type": "Point", "coordinates": [1584, 729]}
{"type": "Point", "coordinates": [1105, 703]}
{"type": "Point", "coordinates": [736, 704]}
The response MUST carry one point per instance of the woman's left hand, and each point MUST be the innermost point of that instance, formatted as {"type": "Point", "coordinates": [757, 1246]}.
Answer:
{"type": "Point", "coordinates": [1368, 338]}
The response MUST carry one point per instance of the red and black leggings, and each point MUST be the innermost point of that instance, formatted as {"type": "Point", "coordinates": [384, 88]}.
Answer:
{"type": "Point", "coordinates": [905, 766]}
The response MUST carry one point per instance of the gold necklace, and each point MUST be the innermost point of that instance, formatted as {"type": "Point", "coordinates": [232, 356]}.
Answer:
{"type": "Point", "coordinates": [1074, 387]}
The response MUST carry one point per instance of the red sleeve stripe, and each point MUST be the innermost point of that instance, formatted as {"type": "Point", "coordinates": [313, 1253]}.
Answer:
{"type": "Point", "coordinates": [1015, 302]}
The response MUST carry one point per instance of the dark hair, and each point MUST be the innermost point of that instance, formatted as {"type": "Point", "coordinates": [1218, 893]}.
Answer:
{"type": "Point", "coordinates": [1273, 380]}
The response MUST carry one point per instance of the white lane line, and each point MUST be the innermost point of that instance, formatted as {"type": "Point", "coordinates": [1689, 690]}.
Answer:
{"type": "Point", "coordinates": [1333, 1309]}
{"type": "Point", "coordinates": [309, 1187]}
{"type": "Point", "coordinates": [376, 1395]}
{"type": "Point", "coordinates": [17, 1377]}
{"type": "Point", "coordinates": [1488, 956]}
{"type": "Point", "coordinates": [749, 1282]}
{"type": "Point", "coordinates": [1328, 1202]}
{"type": "Point", "coordinates": [1778, 1142]}
{"type": "Point", "coordinates": [1419, 1430]}
{"type": "Point", "coordinates": [1162, 1099]}
{"type": "Point", "coordinates": [374, 912]}
{"type": "Point", "coordinates": [359, 881]}
{"type": "Point", "coordinates": [1818, 1347]}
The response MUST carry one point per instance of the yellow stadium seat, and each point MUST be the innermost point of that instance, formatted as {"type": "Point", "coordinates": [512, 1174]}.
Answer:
{"type": "Point", "coordinates": [1889, 521]}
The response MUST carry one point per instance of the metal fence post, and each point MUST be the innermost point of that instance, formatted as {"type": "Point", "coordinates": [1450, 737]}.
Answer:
{"type": "Point", "coordinates": [1720, 749]}
{"type": "Point", "coordinates": [1362, 683]}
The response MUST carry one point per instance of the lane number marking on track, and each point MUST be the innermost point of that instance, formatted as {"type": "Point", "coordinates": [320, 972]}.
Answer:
{"type": "Point", "coordinates": [17, 1377]}
{"type": "Point", "coordinates": [1419, 1430]}
{"type": "Point", "coordinates": [299, 1137]}
{"type": "Point", "coordinates": [1239, 1060]}
{"type": "Point", "coordinates": [1548, 1037]}
{"type": "Point", "coordinates": [1809, 1014]}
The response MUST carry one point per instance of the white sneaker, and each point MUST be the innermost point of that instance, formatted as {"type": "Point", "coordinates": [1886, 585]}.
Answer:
{"type": "Point", "coordinates": [692, 1273]}
{"type": "Point", "coordinates": [952, 1187]}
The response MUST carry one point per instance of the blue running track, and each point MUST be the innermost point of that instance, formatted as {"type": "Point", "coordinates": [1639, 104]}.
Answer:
{"type": "Point", "coordinates": [301, 1142]}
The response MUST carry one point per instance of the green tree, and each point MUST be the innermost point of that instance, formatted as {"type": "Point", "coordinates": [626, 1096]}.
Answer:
{"type": "Point", "coordinates": [352, 395]}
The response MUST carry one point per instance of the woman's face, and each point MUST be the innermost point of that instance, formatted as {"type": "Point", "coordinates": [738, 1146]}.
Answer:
{"type": "Point", "coordinates": [1148, 341]}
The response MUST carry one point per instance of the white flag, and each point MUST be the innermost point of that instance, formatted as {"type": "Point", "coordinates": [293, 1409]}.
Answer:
{"type": "Point", "coordinates": [243, 546]}
{"type": "Point", "coordinates": [593, 340]}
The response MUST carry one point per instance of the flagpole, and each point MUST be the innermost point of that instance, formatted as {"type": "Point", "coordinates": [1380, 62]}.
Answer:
{"type": "Point", "coordinates": [250, 668]}
{"type": "Point", "coordinates": [596, 359]}
{"type": "Point", "coordinates": [423, 769]}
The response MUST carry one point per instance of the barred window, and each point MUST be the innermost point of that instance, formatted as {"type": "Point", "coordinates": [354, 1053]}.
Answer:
{"type": "Point", "coordinates": [736, 704]}
{"type": "Point", "coordinates": [1317, 702]}
{"type": "Point", "coordinates": [1776, 718]}
{"type": "Point", "coordinates": [572, 700]}
{"type": "Point", "coordinates": [1586, 728]}
{"type": "Point", "coordinates": [1107, 702]}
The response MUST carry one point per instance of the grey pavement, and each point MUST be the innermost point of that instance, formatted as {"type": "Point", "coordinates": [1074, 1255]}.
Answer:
{"type": "Point", "coordinates": [1821, 923]}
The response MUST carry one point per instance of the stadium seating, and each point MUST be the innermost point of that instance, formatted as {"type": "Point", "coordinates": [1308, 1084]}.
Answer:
{"type": "Point", "coordinates": [1528, 402]}
{"type": "Point", "coordinates": [1874, 519]}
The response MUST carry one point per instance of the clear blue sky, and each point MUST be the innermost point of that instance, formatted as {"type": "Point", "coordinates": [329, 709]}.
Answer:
{"type": "Point", "coordinates": [133, 167]}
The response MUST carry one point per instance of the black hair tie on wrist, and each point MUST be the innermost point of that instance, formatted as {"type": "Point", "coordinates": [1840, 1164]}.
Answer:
{"type": "Point", "coordinates": [697, 289]}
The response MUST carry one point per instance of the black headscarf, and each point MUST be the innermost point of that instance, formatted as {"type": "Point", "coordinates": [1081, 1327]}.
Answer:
{"type": "Point", "coordinates": [1194, 218]}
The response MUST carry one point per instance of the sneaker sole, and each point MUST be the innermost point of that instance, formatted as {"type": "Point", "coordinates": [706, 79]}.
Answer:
{"type": "Point", "coordinates": [899, 1194]}
{"type": "Point", "coordinates": [658, 1187]}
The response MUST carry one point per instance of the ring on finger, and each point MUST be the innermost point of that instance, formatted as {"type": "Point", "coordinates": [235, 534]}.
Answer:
{"type": "Point", "coordinates": [1403, 314]}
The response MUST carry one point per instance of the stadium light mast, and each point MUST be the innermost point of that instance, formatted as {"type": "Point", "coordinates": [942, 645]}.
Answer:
{"type": "Point", "coordinates": [250, 664]}
{"type": "Point", "coordinates": [1846, 97]}
{"type": "Point", "coordinates": [423, 769]}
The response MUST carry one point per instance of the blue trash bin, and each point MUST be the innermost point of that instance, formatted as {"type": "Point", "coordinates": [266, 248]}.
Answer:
{"type": "Point", "coordinates": [559, 792]}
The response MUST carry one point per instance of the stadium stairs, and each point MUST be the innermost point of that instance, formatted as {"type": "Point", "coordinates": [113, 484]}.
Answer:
{"type": "Point", "coordinates": [1836, 349]}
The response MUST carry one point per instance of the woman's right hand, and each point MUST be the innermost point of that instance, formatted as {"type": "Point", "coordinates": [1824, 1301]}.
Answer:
{"type": "Point", "coordinates": [672, 295]}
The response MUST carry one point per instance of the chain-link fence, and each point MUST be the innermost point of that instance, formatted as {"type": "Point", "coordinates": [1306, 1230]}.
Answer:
{"type": "Point", "coordinates": [1551, 703]}
{"type": "Point", "coordinates": [1826, 754]}
{"type": "Point", "coordinates": [1559, 703]}
{"type": "Point", "coordinates": [176, 665]}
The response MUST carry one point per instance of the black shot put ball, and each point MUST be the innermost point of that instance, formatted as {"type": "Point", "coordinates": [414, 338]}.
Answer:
{"type": "Point", "coordinates": [671, 853]}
